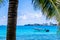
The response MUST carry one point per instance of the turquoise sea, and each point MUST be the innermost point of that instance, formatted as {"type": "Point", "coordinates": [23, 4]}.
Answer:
{"type": "Point", "coordinates": [30, 33]}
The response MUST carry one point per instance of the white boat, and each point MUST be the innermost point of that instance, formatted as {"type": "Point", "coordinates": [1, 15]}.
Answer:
{"type": "Point", "coordinates": [40, 29]}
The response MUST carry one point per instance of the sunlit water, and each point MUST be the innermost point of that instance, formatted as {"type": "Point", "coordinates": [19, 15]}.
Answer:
{"type": "Point", "coordinates": [29, 33]}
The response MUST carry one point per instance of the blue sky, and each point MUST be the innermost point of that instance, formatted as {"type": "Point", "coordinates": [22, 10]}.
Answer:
{"type": "Point", "coordinates": [26, 14]}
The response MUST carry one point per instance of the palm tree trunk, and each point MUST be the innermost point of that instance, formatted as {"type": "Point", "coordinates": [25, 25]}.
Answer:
{"type": "Point", "coordinates": [58, 28]}
{"type": "Point", "coordinates": [58, 31]}
{"type": "Point", "coordinates": [12, 20]}
{"type": "Point", "coordinates": [59, 24]}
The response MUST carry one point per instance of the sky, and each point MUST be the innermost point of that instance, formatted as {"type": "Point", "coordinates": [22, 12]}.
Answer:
{"type": "Point", "coordinates": [26, 14]}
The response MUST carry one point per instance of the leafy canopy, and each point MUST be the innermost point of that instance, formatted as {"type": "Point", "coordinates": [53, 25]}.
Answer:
{"type": "Point", "coordinates": [50, 8]}
{"type": "Point", "coordinates": [0, 1]}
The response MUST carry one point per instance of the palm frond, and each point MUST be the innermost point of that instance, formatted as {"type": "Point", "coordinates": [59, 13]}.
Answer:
{"type": "Point", "coordinates": [3, 2]}
{"type": "Point", "coordinates": [49, 7]}
{"type": "Point", "coordinates": [0, 1]}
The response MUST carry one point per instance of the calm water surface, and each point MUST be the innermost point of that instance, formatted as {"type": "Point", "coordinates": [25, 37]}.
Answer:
{"type": "Point", "coordinates": [29, 33]}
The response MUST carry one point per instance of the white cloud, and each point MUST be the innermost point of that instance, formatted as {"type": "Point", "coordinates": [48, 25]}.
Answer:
{"type": "Point", "coordinates": [31, 18]}
{"type": "Point", "coordinates": [24, 17]}
{"type": "Point", "coordinates": [37, 15]}
{"type": "Point", "coordinates": [3, 20]}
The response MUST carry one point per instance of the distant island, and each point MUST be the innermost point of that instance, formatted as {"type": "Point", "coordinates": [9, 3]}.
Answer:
{"type": "Point", "coordinates": [40, 24]}
{"type": "Point", "coordinates": [32, 25]}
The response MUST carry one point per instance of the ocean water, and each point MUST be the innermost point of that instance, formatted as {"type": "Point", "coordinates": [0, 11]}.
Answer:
{"type": "Point", "coordinates": [30, 33]}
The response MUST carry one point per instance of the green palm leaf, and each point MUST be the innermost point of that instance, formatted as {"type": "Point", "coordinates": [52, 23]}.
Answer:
{"type": "Point", "coordinates": [49, 7]}
{"type": "Point", "coordinates": [0, 1]}
{"type": "Point", "coordinates": [3, 2]}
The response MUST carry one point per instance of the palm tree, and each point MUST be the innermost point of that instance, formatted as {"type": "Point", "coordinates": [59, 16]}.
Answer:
{"type": "Point", "coordinates": [1, 1]}
{"type": "Point", "coordinates": [50, 8]}
{"type": "Point", "coordinates": [12, 20]}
